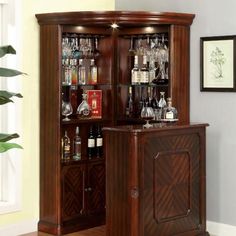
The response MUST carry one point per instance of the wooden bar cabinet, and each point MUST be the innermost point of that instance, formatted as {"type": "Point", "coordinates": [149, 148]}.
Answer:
{"type": "Point", "coordinates": [156, 180]}
{"type": "Point", "coordinates": [72, 193]}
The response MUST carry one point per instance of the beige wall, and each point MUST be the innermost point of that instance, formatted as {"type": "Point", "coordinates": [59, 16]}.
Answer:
{"type": "Point", "coordinates": [30, 102]}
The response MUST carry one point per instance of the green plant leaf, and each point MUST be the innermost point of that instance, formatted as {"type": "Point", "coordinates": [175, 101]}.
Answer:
{"type": "Point", "coordinates": [6, 146]}
{"type": "Point", "coordinates": [7, 137]}
{"type": "Point", "coordinates": [5, 96]}
{"type": "Point", "coordinates": [5, 72]}
{"type": "Point", "coordinates": [8, 49]}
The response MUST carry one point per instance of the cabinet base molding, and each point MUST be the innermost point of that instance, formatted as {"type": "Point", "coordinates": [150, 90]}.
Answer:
{"type": "Point", "coordinates": [70, 226]}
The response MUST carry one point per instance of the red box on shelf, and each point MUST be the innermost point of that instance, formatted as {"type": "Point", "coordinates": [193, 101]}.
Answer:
{"type": "Point", "coordinates": [94, 98]}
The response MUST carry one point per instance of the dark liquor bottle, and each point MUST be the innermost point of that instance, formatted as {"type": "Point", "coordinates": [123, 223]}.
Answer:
{"type": "Point", "coordinates": [99, 142]}
{"type": "Point", "coordinates": [154, 101]}
{"type": "Point", "coordinates": [140, 103]}
{"type": "Point", "coordinates": [66, 147]}
{"type": "Point", "coordinates": [91, 143]}
{"type": "Point", "coordinates": [129, 106]}
{"type": "Point", "coordinates": [77, 145]}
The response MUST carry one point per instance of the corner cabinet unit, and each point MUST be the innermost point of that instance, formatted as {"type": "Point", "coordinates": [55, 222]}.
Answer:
{"type": "Point", "coordinates": [156, 180]}
{"type": "Point", "coordinates": [94, 53]}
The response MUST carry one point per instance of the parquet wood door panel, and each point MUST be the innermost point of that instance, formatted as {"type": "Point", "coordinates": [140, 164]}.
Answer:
{"type": "Point", "coordinates": [73, 191]}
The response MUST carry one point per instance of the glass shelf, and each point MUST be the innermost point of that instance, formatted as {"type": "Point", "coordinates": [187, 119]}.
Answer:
{"type": "Point", "coordinates": [90, 120]}
{"type": "Point", "coordinates": [143, 85]}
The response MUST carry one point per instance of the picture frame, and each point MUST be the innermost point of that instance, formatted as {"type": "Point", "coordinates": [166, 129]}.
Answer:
{"type": "Point", "coordinates": [217, 59]}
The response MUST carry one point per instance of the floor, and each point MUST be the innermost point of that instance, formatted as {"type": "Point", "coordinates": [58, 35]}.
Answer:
{"type": "Point", "coordinates": [98, 231]}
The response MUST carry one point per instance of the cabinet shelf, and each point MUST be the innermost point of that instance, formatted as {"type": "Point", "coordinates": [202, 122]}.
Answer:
{"type": "Point", "coordinates": [81, 121]}
{"type": "Point", "coordinates": [143, 85]}
{"type": "Point", "coordinates": [82, 161]}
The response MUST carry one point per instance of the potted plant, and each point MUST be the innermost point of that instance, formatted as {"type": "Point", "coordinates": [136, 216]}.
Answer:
{"type": "Point", "coordinates": [6, 97]}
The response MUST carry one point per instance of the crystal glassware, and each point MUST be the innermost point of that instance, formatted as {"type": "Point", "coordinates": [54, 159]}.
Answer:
{"type": "Point", "coordinates": [84, 110]}
{"type": "Point", "coordinates": [147, 114]}
{"type": "Point", "coordinates": [67, 110]}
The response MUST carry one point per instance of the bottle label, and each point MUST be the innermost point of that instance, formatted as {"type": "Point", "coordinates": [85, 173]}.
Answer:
{"type": "Point", "coordinates": [169, 115]}
{"type": "Point", "coordinates": [99, 142]}
{"type": "Point", "coordinates": [91, 143]}
{"type": "Point", "coordinates": [144, 77]}
{"type": "Point", "coordinates": [135, 77]}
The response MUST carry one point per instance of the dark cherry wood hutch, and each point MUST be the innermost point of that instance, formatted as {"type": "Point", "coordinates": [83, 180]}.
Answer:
{"type": "Point", "coordinates": [72, 194]}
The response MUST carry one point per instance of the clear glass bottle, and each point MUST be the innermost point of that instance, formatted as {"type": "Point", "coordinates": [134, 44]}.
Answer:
{"type": "Point", "coordinates": [144, 72]}
{"type": "Point", "coordinates": [161, 105]}
{"type": "Point", "coordinates": [77, 145]}
{"type": "Point", "coordinates": [99, 142]}
{"type": "Point", "coordinates": [135, 72]}
{"type": "Point", "coordinates": [170, 113]}
{"type": "Point", "coordinates": [91, 143]}
{"type": "Point", "coordinates": [65, 147]}
{"type": "Point", "coordinates": [93, 71]}
{"type": "Point", "coordinates": [67, 76]}
{"type": "Point", "coordinates": [81, 72]}
{"type": "Point", "coordinates": [74, 72]}
{"type": "Point", "coordinates": [129, 105]}
{"type": "Point", "coordinates": [84, 110]}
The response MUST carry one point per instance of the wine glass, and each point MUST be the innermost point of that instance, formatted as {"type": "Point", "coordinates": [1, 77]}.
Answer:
{"type": "Point", "coordinates": [147, 114]}
{"type": "Point", "coordinates": [67, 110]}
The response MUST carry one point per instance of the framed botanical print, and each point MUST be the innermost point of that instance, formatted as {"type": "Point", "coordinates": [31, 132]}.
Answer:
{"type": "Point", "coordinates": [217, 59]}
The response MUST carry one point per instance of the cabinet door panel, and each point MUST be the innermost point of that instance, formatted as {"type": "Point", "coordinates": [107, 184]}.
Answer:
{"type": "Point", "coordinates": [96, 187]}
{"type": "Point", "coordinates": [171, 196]}
{"type": "Point", "coordinates": [73, 186]}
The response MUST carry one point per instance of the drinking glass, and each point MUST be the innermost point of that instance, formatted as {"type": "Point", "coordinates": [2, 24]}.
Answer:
{"type": "Point", "coordinates": [67, 110]}
{"type": "Point", "coordinates": [147, 114]}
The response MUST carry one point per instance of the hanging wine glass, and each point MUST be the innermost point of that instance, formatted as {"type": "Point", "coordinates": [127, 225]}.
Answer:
{"type": "Point", "coordinates": [96, 51]}
{"type": "Point", "coordinates": [66, 109]}
{"type": "Point", "coordinates": [147, 114]}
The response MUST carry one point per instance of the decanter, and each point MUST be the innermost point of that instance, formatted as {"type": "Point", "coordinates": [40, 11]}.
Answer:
{"type": "Point", "coordinates": [84, 110]}
{"type": "Point", "coordinates": [170, 113]}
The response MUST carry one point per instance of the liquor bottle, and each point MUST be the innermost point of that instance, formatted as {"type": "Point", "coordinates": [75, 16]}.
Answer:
{"type": "Point", "coordinates": [91, 143]}
{"type": "Point", "coordinates": [92, 75]}
{"type": "Point", "coordinates": [77, 145]}
{"type": "Point", "coordinates": [170, 113]}
{"type": "Point", "coordinates": [67, 77]}
{"type": "Point", "coordinates": [135, 72]}
{"type": "Point", "coordinates": [129, 106]}
{"type": "Point", "coordinates": [81, 72]}
{"type": "Point", "coordinates": [99, 142]}
{"type": "Point", "coordinates": [74, 73]}
{"type": "Point", "coordinates": [144, 72]}
{"type": "Point", "coordinates": [149, 97]}
{"type": "Point", "coordinates": [154, 101]}
{"type": "Point", "coordinates": [84, 110]}
{"type": "Point", "coordinates": [140, 103]}
{"type": "Point", "coordinates": [162, 104]}
{"type": "Point", "coordinates": [66, 147]}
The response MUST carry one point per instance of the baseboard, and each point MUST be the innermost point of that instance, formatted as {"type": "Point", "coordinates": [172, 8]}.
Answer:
{"type": "Point", "coordinates": [19, 228]}
{"type": "Point", "coordinates": [219, 229]}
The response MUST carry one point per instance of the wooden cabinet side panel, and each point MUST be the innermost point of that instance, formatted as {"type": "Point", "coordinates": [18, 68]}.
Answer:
{"type": "Point", "coordinates": [179, 69]}
{"type": "Point", "coordinates": [117, 146]}
{"type": "Point", "coordinates": [49, 127]}
{"type": "Point", "coordinates": [173, 200]}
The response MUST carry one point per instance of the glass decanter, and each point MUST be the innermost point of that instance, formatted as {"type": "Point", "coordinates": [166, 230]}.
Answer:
{"type": "Point", "coordinates": [84, 110]}
{"type": "Point", "coordinates": [170, 112]}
